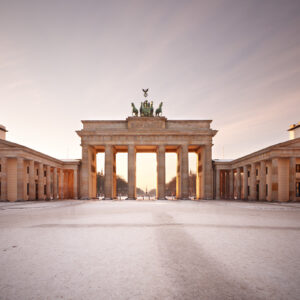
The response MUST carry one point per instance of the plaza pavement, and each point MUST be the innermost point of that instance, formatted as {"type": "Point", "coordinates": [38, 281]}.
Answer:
{"type": "Point", "coordinates": [149, 250]}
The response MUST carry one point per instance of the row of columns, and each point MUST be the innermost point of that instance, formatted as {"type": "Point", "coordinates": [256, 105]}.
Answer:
{"type": "Point", "coordinates": [228, 181]}
{"type": "Point", "coordinates": [182, 178]}
{"type": "Point", "coordinates": [58, 187]}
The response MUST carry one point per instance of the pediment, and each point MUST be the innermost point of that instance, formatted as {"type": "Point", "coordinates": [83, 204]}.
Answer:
{"type": "Point", "coordinates": [6, 144]}
{"type": "Point", "coordinates": [291, 144]}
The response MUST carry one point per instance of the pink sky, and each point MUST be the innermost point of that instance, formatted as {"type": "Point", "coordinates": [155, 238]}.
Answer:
{"type": "Point", "coordinates": [235, 62]}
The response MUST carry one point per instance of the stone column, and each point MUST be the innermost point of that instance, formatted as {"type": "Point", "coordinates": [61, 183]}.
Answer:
{"type": "Point", "coordinates": [274, 187]}
{"type": "Point", "coordinates": [227, 184]}
{"type": "Point", "coordinates": [238, 183]}
{"type": "Point", "coordinates": [161, 172]}
{"type": "Point", "coordinates": [31, 181]}
{"type": "Point", "coordinates": [115, 175]}
{"type": "Point", "coordinates": [131, 172]}
{"type": "Point", "coordinates": [55, 190]}
{"type": "Point", "coordinates": [3, 179]}
{"type": "Point", "coordinates": [207, 172]}
{"type": "Point", "coordinates": [48, 182]}
{"type": "Point", "coordinates": [20, 179]}
{"type": "Point", "coordinates": [245, 179]}
{"type": "Point", "coordinates": [178, 173]}
{"type": "Point", "coordinates": [199, 178]}
{"type": "Point", "coordinates": [292, 179]}
{"type": "Point", "coordinates": [253, 192]}
{"type": "Point", "coordinates": [231, 175]}
{"type": "Point", "coordinates": [41, 182]}
{"type": "Point", "coordinates": [61, 179]}
{"type": "Point", "coordinates": [108, 178]}
{"type": "Point", "coordinates": [185, 172]}
{"type": "Point", "coordinates": [217, 184]}
{"type": "Point", "coordinates": [85, 173]}
{"type": "Point", "coordinates": [75, 186]}
{"type": "Point", "coordinates": [222, 190]}
{"type": "Point", "coordinates": [262, 181]}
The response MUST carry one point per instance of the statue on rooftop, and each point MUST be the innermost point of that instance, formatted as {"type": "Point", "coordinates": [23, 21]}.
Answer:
{"type": "Point", "coordinates": [146, 107]}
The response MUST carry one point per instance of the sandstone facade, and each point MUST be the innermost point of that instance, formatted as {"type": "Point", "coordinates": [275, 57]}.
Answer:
{"type": "Point", "coordinates": [271, 174]}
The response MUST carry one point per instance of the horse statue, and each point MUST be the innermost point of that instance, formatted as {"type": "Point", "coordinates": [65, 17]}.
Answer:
{"type": "Point", "coordinates": [141, 110]}
{"type": "Point", "coordinates": [134, 110]}
{"type": "Point", "coordinates": [158, 111]}
{"type": "Point", "coordinates": [151, 109]}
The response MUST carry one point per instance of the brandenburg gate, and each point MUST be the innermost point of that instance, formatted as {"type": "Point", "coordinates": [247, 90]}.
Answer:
{"type": "Point", "coordinates": [147, 134]}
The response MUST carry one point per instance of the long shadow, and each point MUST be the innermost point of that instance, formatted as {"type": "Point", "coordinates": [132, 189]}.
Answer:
{"type": "Point", "coordinates": [192, 273]}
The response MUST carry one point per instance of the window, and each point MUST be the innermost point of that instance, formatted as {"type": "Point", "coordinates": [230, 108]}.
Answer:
{"type": "Point", "coordinates": [37, 171]}
{"type": "Point", "coordinates": [248, 190]}
{"type": "Point", "coordinates": [0, 187]}
{"type": "Point", "coordinates": [27, 189]}
{"type": "Point", "coordinates": [266, 170]}
{"type": "Point", "coordinates": [27, 170]}
{"type": "Point", "coordinates": [298, 168]}
{"type": "Point", "coordinates": [45, 173]}
{"type": "Point", "coordinates": [266, 189]}
{"type": "Point", "coordinates": [256, 172]}
{"type": "Point", "coordinates": [45, 189]}
{"type": "Point", "coordinates": [0, 167]}
{"type": "Point", "coordinates": [248, 173]}
{"type": "Point", "coordinates": [297, 189]}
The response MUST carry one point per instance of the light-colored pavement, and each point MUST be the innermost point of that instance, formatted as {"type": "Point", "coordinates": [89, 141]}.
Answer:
{"type": "Point", "coordinates": [149, 250]}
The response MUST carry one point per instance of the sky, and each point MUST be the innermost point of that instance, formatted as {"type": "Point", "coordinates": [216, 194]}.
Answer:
{"type": "Point", "coordinates": [234, 62]}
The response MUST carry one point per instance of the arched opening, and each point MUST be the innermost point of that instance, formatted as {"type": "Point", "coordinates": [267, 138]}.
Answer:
{"type": "Point", "coordinates": [171, 171]}
{"type": "Point", "coordinates": [122, 175]}
{"type": "Point", "coordinates": [193, 175]}
{"type": "Point", "coordinates": [146, 175]}
{"type": "Point", "coordinates": [100, 174]}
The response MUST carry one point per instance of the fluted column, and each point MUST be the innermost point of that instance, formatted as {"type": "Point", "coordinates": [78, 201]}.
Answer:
{"type": "Point", "coordinates": [231, 175]}
{"type": "Point", "coordinates": [61, 179]}
{"type": "Point", "coordinates": [48, 182]}
{"type": "Point", "coordinates": [75, 184]}
{"type": "Point", "coordinates": [108, 178]}
{"type": "Point", "coordinates": [114, 174]}
{"type": "Point", "coordinates": [238, 183]}
{"type": "Point", "coordinates": [131, 172]}
{"type": "Point", "coordinates": [292, 179]}
{"type": "Point", "coordinates": [207, 172]}
{"type": "Point", "coordinates": [20, 178]}
{"type": "Point", "coordinates": [41, 182]}
{"type": "Point", "coordinates": [3, 179]}
{"type": "Point", "coordinates": [85, 173]}
{"type": "Point", "coordinates": [262, 181]}
{"type": "Point", "coordinates": [55, 189]}
{"type": "Point", "coordinates": [185, 172]}
{"type": "Point", "coordinates": [227, 184]}
{"type": "Point", "coordinates": [161, 172]}
{"type": "Point", "coordinates": [253, 192]}
{"type": "Point", "coordinates": [245, 185]}
{"type": "Point", "coordinates": [32, 192]}
{"type": "Point", "coordinates": [218, 184]}
{"type": "Point", "coordinates": [274, 186]}
{"type": "Point", "coordinates": [199, 176]}
{"type": "Point", "coordinates": [178, 173]}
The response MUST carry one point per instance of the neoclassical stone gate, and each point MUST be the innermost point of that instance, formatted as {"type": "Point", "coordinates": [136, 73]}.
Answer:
{"type": "Point", "coordinates": [147, 134]}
